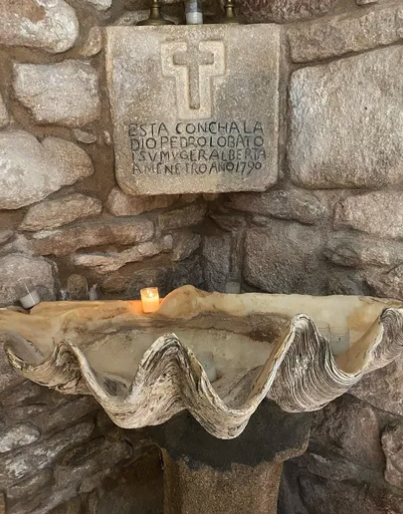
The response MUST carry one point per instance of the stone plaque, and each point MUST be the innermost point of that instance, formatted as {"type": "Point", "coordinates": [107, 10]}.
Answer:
{"type": "Point", "coordinates": [194, 108]}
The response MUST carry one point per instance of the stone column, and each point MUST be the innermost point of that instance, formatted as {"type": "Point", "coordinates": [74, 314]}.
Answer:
{"type": "Point", "coordinates": [205, 475]}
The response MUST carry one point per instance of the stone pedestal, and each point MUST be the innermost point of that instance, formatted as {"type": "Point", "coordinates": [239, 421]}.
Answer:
{"type": "Point", "coordinates": [206, 475]}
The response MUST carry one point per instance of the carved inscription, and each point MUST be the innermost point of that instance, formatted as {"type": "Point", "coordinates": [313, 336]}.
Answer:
{"type": "Point", "coordinates": [193, 65]}
{"type": "Point", "coordinates": [198, 148]}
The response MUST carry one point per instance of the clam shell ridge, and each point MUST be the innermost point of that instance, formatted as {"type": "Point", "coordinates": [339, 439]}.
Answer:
{"type": "Point", "coordinates": [301, 374]}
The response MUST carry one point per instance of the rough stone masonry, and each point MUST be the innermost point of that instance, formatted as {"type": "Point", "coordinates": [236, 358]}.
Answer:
{"type": "Point", "coordinates": [324, 218]}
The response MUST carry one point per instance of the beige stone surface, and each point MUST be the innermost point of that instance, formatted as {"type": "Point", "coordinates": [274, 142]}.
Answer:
{"type": "Point", "coordinates": [107, 262]}
{"type": "Point", "coordinates": [87, 138]}
{"type": "Point", "coordinates": [30, 170]}
{"type": "Point", "coordinates": [5, 235]}
{"type": "Point", "coordinates": [360, 251]}
{"type": "Point", "coordinates": [64, 210]}
{"type": "Point", "coordinates": [50, 25]}
{"type": "Point", "coordinates": [379, 213]}
{"type": "Point", "coordinates": [65, 93]}
{"type": "Point", "coordinates": [340, 136]}
{"type": "Point", "coordinates": [15, 267]}
{"type": "Point", "coordinates": [296, 205]}
{"type": "Point", "coordinates": [93, 43]}
{"type": "Point", "coordinates": [120, 204]}
{"type": "Point", "coordinates": [96, 233]}
{"type": "Point", "coordinates": [99, 5]}
{"type": "Point", "coordinates": [343, 34]}
{"type": "Point", "coordinates": [187, 217]}
{"type": "Point", "coordinates": [195, 109]}
{"type": "Point", "coordinates": [4, 116]}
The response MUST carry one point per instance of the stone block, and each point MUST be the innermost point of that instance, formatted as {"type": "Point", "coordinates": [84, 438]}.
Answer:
{"type": "Point", "coordinates": [50, 25]}
{"type": "Point", "coordinates": [64, 210]}
{"type": "Point", "coordinates": [99, 5]}
{"type": "Point", "coordinates": [321, 496]}
{"type": "Point", "coordinates": [4, 117]}
{"type": "Point", "coordinates": [388, 284]}
{"type": "Point", "coordinates": [8, 377]}
{"type": "Point", "coordinates": [228, 222]}
{"type": "Point", "coordinates": [359, 251]}
{"type": "Point", "coordinates": [24, 412]}
{"type": "Point", "coordinates": [216, 254]}
{"type": "Point", "coordinates": [139, 485]}
{"type": "Point", "coordinates": [84, 235]}
{"type": "Point", "coordinates": [77, 287]}
{"type": "Point", "coordinates": [194, 109]}
{"type": "Point", "coordinates": [73, 506]}
{"type": "Point", "coordinates": [18, 244]}
{"type": "Point", "coordinates": [65, 93]}
{"type": "Point", "coordinates": [295, 205]}
{"type": "Point", "coordinates": [66, 414]}
{"type": "Point", "coordinates": [280, 11]}
{"type": "Point", "coordinates": [340, 107]}
{"type": "Point", "coordinates": [339, 429]}
{"type": "Point", "coordinates": [16, 267]}
{"type": "Point", "coordinates": [89, 459]}
{"type": "Point", "coordinates": [344, 34]}
{"type": "Point", "coordinates": [107, 262]}
{"type": "Point", "coordinates": [383, 388]}
{"type": "Point", "coordinates": [180, 218]}
{"type": "Point", "coordinates": [378, 213]}
{"type": "Point", "coordinates": [5, 235]}
{"type": "Point", "coordinates": [325, 463]}
{"type": "Point", "coordinates": [30, 170]}
{"type": "Point", "coordinates": [120, 204]}
{"type": "Point", "coordinates": [185, 244]}
{"type": "Point", "coordinates": [85, 137]}
{"type": "Point", "coordinates": [392, 445]}
{"type": "Point", "coordinates": [166, 278]}
{"type": "Point", "coordinates": [276, 255]}
{"type": "Point", "coordinates": [185, 272]}
{"type": "Point", "coordinates": [24, 392]}
{"type": "Point", "coordinates": [43, 501]}
{"type": "Point", "coordinates": [30, 485]}
{"type": "Point", "coordinates": [19, 435]}
{"type": "Point", "coordinates": [93, 43]}
{"type": "Point", "coordinates": [21, 464]}
{"type": "Point", "coordinates": [347, 282]}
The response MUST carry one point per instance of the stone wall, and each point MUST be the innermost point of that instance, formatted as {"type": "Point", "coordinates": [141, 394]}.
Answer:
{"type": "Point", "coordinates": [330, 225]}
{"type": "Point", "coordinates": [63, 455]}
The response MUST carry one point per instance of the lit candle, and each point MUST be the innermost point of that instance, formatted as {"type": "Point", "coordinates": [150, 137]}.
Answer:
{"type": "Point", "coordinates": [150, 299]}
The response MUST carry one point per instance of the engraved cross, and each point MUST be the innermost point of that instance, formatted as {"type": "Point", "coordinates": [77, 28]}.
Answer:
{"type": "Point", "coordinates": [193, 59]}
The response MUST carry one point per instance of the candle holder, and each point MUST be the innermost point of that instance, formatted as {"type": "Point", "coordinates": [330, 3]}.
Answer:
{"type": "Point", "coordinates": [230, 16]}
{"type": "Point", "coordinates": [155, 17]}
{"type": "Point", "coordinates": [150, 299]}
{"type": "Point", "coordinates": [232, 283]}
{"type": "Point", "coordinates": [194, 12]}
{"type": "Point", "coordinates": [27, 294]}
